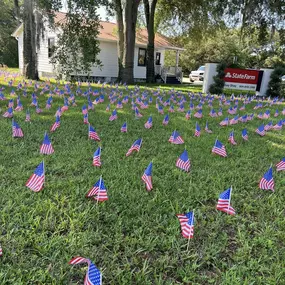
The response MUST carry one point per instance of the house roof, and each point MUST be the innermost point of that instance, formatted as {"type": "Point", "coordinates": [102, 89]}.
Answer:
{"type": "Point", "coordinates": [108, 32]}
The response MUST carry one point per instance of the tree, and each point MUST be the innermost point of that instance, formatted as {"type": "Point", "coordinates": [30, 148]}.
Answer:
{"type": "Point", "coordinates": [8, 23]}
{"type": "Point", "coordinates": [149, 8]}
{"type": "Point", "coordinates": [120, 25]}
{"type": "Point", "coordinates": [30, 54]}
{"type": "Point", "coordinates": [78, 46]}
{"type": "Point", "coordinates": [130, 21]}
{"type": "Point", "coordinates": [126, 15]}
{"type": "Point", "coordinates": [223, 45]}
{"type": "Point", "coordinates": [275, 86]}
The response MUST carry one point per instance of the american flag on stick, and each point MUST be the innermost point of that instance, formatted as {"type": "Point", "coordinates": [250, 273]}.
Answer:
{"type": "Point", "coordinates": [93, 275]}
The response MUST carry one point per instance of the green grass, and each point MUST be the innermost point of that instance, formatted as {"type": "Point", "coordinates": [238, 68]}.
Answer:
{"type": "Point", "coordinates": [134, 237]}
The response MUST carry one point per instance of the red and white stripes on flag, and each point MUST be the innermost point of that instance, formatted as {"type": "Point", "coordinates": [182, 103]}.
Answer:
{"type": "Point", "coordinates": [37, 179]}
{"type": "Point", "coordinates": [97, 157]}
{"type": "Point", "coordinates": [281, 165]}
{"type": "Point", "coordinates": [187, 224]}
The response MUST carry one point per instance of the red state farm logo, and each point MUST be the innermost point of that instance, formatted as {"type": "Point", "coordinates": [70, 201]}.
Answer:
{"type": "Point", "coordinates": [246, 76]}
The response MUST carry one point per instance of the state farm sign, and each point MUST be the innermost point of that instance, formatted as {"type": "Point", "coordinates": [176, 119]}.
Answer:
{"type": "Point", "coordinates": [243, 79]}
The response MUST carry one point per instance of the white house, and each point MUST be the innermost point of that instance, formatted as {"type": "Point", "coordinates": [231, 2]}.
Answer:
{"type": "Point", "coordinates": [108, 53]}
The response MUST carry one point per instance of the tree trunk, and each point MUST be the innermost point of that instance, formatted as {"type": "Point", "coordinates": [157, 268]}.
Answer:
{"type": "Point", "coordinates": [17, 10]}
{"type": "Point", "coordinates": [30, 55]}
{"type": "Point", "coordinates": [149, 15]}
{"type": "Point", "coordinates": [130, 21]}
{"type": "Point", "coordinates": [120, 25]}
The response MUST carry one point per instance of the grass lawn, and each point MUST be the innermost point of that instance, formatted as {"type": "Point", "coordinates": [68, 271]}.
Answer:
{"type": "Point", "coordinates": [135, 236]}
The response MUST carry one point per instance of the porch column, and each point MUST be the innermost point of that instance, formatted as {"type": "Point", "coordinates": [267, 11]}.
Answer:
{"type": "Point", "coordinates": [177, 62]}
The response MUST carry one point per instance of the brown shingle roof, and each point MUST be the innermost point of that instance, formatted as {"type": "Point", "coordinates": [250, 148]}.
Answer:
{"type": "Point", "coordinates": [108, 31]}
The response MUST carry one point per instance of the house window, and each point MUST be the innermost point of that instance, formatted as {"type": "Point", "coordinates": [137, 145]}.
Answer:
{"type": "Point", "coordinates": [157, 58]}
{"type": "Point", "coordinates": [51, 45]}
{"type": "Point", "coordinates": [142, 57]}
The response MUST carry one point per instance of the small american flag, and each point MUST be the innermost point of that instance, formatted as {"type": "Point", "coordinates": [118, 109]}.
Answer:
{"type": "Point", "coordinates": [267, 182]}
{"type": "Point", "coordinates": [38, 109]}
{"type": "Point", "coordinates": [8, 113]}
{"type": "Point", "coordinates": [147, 177]}
{"type": "Point", "coordinates": [113, 116]}
{"type": "Point", "coordinates": [97, 157]}
{"type": "Point", "coordinates": [232, 139]}
{"type": "Point", "coordinates": [181, 108]}
{"type": "Point", "coordinates": [90, 106]}
{"type": "Point", "coordinates": [56, 124]}
{"type": "Point", "coordinates": [171, 109]}
{"type": "Point", "coordinates": [148, 124]}
{"type": "Point", "coordinates": [93, 275]}
{"type": "Point", "coordinates": [224, 122]}
{"type": "Point", "coordinates": [219, 149]}
{"type": "Point", "coordinates": [231, 111]}
{"type": "Point", "coordinates": [244, 134]}
{"type": "Point", "coordinates": [137, 113]}
{"type": "Point", "coordinates": [243, 119]}
{"type": "Point", "coordinates": [183, 161]}
{"type": "Point", "coordinates": [165, 120]}
{"type": "Point", "coordinates": [58, 112]}
{"type": "Point", "coordinates": [36, 181]}
{"type": "Point", "coordinates": [269, 126]}
{"type": "Point", "coordinates": [46, 147]}
{"type": "Point", "coordinates": [260, 130]}
{"type": "Point", "coordinates": [234, 120]}
{"type": "Point", "coordinates": [175, 138]}
{"type": "Point", "coordinates": [99, 191]}
{"type": "Point", "coordinates": [48, 104]}
{"type": "Point", "coordinates": [197, 131]}
{"type": "Point", "coordinates": [85, 119]}
{"type": "Point", "coordinates": [1, 251]}
{"type": "Point", "coordinates": [207, 130]}
{"type": "Point", "coordinates": [28, 116]}
{"type": "Point", "coordinates": [213, 113]}
{"type": "Point", "coordinates": [92, 134]}
{"type": "Point", "coordinates": [276, 113]}
{"type": "Point", "coordinates": [260, 115]}
{"type": "Point", "coordinates": [220, 112]}
{"type": "Point", "coordinates": [11, 103]}
{"type": "Point", "coordinates": [124, 128]}
{"type": "Point", "coordinates": [266, 115]}
{"type": "Point", "coordinates": [108, 108]}
{"type": "Point", "coordinates": [19, 107]}
{"type": "Point", "coordinates": [187, 224]}
{"type": "Point", "coordinates": [281, 165]}
{"type": "Point", "coordinates": [119, 105]}
{"type": "Point", "coordinates": [198, 114]}
{"type": "Point", "coordinates": [135, 147]}
{"type": "Point", "coordinates": [224, 202]}
{"type": "Point", "coordinates": [160, 109]}
{"type": "Point", "coordinates": [188, 115]}
{"type": "Point", "coordinates": [278, 126]}
{"type": "Point", "coordinates": [16, 130]}
{"type": "Point", "coordinates": [84, 110]}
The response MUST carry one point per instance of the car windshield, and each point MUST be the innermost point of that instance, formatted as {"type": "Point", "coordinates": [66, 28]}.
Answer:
{"type": "Point", "coordinates": [201, 68]}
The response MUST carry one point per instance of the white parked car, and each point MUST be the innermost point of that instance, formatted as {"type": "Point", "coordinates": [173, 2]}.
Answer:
{"type": "Point", "coordinates": [197, 75]}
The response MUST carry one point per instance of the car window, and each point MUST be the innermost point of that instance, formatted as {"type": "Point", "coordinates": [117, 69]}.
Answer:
{"type": "Point", "coordinates": [201, 68]}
